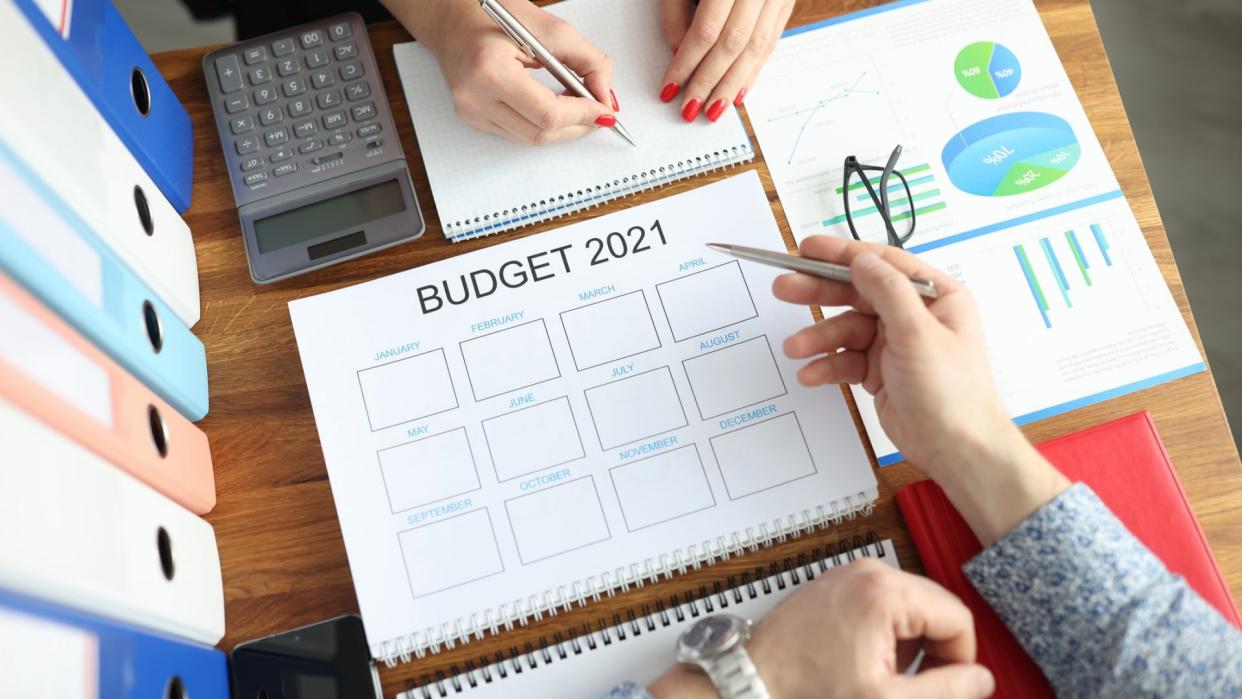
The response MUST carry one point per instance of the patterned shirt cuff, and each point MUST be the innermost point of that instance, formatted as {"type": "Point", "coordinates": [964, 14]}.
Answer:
{"type": "Point", "coordinates": [627, 690]}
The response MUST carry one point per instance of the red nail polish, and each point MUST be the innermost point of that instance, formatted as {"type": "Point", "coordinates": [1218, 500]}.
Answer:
{"type": "Point", "coordinates": [691, 110]}
{"type": "Point", "coordinates": [669, 92]}
{"type": "Point", "coordinates": [741, 95]}
{"type": "Point", "coordinates": [615, 107]}
{"type": "Point", "coordinates": [606, 121]}
{"type": "Point", "coordinates": [714, 111]}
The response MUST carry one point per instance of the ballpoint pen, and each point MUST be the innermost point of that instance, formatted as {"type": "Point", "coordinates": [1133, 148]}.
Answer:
{"type": "Point", "coordinates": [536, 50]}
{"type": "Point", "coordinates": [818, 268]}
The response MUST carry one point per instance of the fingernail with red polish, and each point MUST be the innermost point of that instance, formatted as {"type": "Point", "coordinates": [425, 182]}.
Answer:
{"type": "Point", "coordinates": [669, 92]}
{"type": "Point", "coordinates": [714, 111]}
{"type": "Point", "coordinates": [691, 110]}
{"type": "Point", "coordinates": [606, 120]}
{"type": "Point", "coordinates": [615, 107]}
{"type": "Point", "coordinates": [741, 95]}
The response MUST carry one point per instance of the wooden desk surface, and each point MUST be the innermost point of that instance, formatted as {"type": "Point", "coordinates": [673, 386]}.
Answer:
{"type": "Point", "coordinates": [280, 545]}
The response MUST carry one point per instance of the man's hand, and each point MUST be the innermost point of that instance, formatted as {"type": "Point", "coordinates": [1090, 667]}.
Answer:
{"type": "Point", "coordinates": [719, 46]}
{"type": "Point", "coordinates": [851, 633]}
{"type": "Point", "coordinates": [490, 78]}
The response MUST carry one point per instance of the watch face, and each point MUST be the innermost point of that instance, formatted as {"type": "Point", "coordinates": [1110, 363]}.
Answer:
{"type": "Point", "coordinates": [711, 636]}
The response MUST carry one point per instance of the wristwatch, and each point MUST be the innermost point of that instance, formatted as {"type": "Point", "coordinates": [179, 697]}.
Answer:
{"type": "Point", "coordinates": [717, 645]}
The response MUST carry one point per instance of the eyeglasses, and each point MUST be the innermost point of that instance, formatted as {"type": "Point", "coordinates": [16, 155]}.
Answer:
{"type": "Point", "coordinates": [878, 223]}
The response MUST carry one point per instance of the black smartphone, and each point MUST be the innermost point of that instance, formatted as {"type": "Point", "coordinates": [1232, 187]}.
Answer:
{"type": "Point", "coordinates": [327, 660]}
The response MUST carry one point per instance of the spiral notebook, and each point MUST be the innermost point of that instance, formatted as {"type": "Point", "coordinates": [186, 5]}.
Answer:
{"type": "Point", "coordinates": [525, 428]}
{"type": "Point", "coordinates": [483, 184]}
{"type": "Point", "coordinates": [637, 648]}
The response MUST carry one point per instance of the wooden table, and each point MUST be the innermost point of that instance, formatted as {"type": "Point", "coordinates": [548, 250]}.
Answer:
{"type": "Point", "coordinates": [280, 545]}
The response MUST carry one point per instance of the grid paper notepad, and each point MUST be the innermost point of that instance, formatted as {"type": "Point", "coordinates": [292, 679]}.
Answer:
{"type": "Point", "coordinates": [484, 184]}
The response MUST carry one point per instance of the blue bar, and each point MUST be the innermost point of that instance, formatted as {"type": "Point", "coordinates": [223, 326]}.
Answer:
{"type": "Point", "coordinates": [866, 196]}
{"type": "Point", "coordinates": [1062, 283]}
{"type": "Point", "coordinates": [1099, 240]}
{"type": "Point", "coordinates": [1030, 284]}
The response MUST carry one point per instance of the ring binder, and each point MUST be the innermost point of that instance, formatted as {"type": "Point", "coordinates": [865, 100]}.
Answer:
{"type": "Point", "coordinates": [770, 583]}
{"type": "Point", "coordinates": [417, 645]}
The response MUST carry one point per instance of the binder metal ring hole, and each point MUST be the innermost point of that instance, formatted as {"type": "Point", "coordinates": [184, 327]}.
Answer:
{"type": "Point", "coordinates": [155, 330]}
{"type": "Point", "coordinates": [140, 91]}
{"type": "Point", "coordinates": [159, 435]}
{"type": "Point", "coordinates": [144, 211]}
{"type": "Point", "coordinates": [164, 543]}
{"type": "Point", "coordinates": [175, 689]}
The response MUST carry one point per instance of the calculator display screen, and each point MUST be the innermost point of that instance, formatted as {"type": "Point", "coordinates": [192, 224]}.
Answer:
{"type": "Point", "coordinates": [328, 216]}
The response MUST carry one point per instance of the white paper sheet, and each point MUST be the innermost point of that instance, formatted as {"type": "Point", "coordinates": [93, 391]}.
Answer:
{"type": "Point", "coordinates": [1002, 164]}
{"type": "Point", "coordinates": [483, 184]}
{"type": "Point", "coordinates": [594, 437]}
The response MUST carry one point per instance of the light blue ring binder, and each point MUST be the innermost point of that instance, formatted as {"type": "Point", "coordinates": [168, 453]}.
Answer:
{"type": "Point", "coordinates": [177, 371]}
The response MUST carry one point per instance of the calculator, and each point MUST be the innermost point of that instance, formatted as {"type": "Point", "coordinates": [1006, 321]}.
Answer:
{"type": "Point", "coordinates": [317, 169]}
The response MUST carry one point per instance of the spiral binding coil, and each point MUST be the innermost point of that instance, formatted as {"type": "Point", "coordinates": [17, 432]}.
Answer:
{"type": "Point", "coordinates": [609, 583]}
{"type": "Point", "coordinates": [569, 202]}
{"type": "Point", "coordinates": [605, 632]}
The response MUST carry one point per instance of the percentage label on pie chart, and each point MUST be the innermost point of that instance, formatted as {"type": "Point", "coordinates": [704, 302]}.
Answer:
{"type": "Point", "coordinates": [987, 69]}
{"type": "Point", "coordinates": [1011, 154]}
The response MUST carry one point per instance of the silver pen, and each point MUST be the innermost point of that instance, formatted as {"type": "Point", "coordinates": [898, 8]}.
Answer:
{"type": "Point", "coordinates": [818, 268]}
{"type": "Point", "coordinates": [536, 50]}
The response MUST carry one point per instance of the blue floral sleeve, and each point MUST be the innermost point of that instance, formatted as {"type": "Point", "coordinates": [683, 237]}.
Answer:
{"type": "Point", "coordinates": [1099, 613]}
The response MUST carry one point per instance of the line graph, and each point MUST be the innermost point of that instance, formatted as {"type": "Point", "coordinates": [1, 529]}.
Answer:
{"type": "Point", "coordinates": [811, 111]}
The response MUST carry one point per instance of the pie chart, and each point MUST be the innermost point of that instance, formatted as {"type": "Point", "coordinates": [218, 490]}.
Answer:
{"type": "Point", "coordinates": [987, 69]}
{"type": "Point", "coordinates": [1011, 154]}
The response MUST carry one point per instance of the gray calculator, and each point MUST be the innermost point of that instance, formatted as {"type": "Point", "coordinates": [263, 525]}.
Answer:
{"type": "Point", "coordinates": [313, 155]}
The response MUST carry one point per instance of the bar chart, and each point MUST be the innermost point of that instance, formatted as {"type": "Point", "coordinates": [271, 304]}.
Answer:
{"type": "Point", "coordinates": [1052, 274]}
{"type": "Point", "coordinates": [924, 192]}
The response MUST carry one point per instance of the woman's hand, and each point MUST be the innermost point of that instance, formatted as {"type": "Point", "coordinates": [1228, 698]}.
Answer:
{"type": "Point", "coordinates": [927, 366]}
{"type": "Point", "coordinates": [718, 48]}
{"type": "Point", "coordinates": [490, 78]}
{"type": "Point", "coordinates": [851, 633]}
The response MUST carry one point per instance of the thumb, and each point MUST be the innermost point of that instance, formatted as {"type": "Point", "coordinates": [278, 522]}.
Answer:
{"type": "Point", "coordinates": [957, 681]}
{"type": "Point", "coordinates": [889, 291]}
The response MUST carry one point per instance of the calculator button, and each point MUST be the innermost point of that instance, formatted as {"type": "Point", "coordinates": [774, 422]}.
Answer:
{"type": "Point", "coordinates": [345, 52]}
{"type": "Point", "coordinates": [265, 94]}
{"type": "Point", "coordinates": [255, 54]}
{"type": "Point", "coordinates": [288, 66]}
{"type": "Point", "coordinates": [339, 31]}
{"type": "Point", "coordinates": [286, 169]}
{"type": "Point", "coordinates": [247, 144]}
{"type": "Point", "coordinates": [275, 137]}
{"type": "Point", "coordinates": [293, 87]}
{"type": "Point", "coordinates": [300, 106]}
{"type": "Point", "coordinates": [271, 115]}
{"type": "Point", "coordinates": [317, 58]}
{"type": "Point", "coordinates": [375, 143]}
{"type": "Point", "coordinates": [364, 111]}
{"type": "Point", "coordinates": [237, 103]}
{"type": "Point", "coordinates": [338, 138]}
{"type": "Point", "coordinates": [333, 120]}
{"type": "Point", "coordinates": [321, 79]}
{"type": "Point", "coordinates": [312, 38]}
{"type": "Point", "coordinates": [310, 146]}
{"type": "Point", "coordinates": [368, 130]}
{"type": "Point", "coordinates": [255, 178]}
{"type": "Point", "coordinates": [349, 71]}
{"type": "Point", "coordinates": [357, 91]}
{"type": "Point", "coordinates": [284, 47]}
{"type": "Point", "coordinates": [328, 157]}
{"type": "Point", "coordinates": [305, 128]}
{"type": "Point", "coordinates": [260, 75]}
{"type": "Point", "coordinates": [251, 163]}
{"type": "Point", "coordinates": [241, 124]}
{"type": "Point", "coordinates": [328, 99]}
{"type": "Point", "coordinates": [229, 72]}
{"type": "Point", "coordinates": [281, 155]}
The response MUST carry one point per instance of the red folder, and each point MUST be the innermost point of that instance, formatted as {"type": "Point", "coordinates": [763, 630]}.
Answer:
{"type": "Point", "coordinates": [1125, 464]}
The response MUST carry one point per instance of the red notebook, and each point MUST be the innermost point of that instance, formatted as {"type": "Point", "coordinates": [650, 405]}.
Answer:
{"type": "Point", "coordinates": [1125, 464]}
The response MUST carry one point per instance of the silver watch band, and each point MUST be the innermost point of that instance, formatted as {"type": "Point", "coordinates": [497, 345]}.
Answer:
{"type": "Point", "coordinates": [735, 675]}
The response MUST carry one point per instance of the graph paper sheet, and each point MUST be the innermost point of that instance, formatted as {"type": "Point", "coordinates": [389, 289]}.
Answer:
{"type": "Point", "coordinates": [483, 184]}
{"type": "Point", "coordinates": [1013, 194]}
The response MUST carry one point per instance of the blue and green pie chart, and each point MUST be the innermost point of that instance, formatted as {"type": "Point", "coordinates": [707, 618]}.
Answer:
{"type": "Point", "coordinates": [987, 69]}
{"type": "Point", "coordinates": [1011, 154]}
